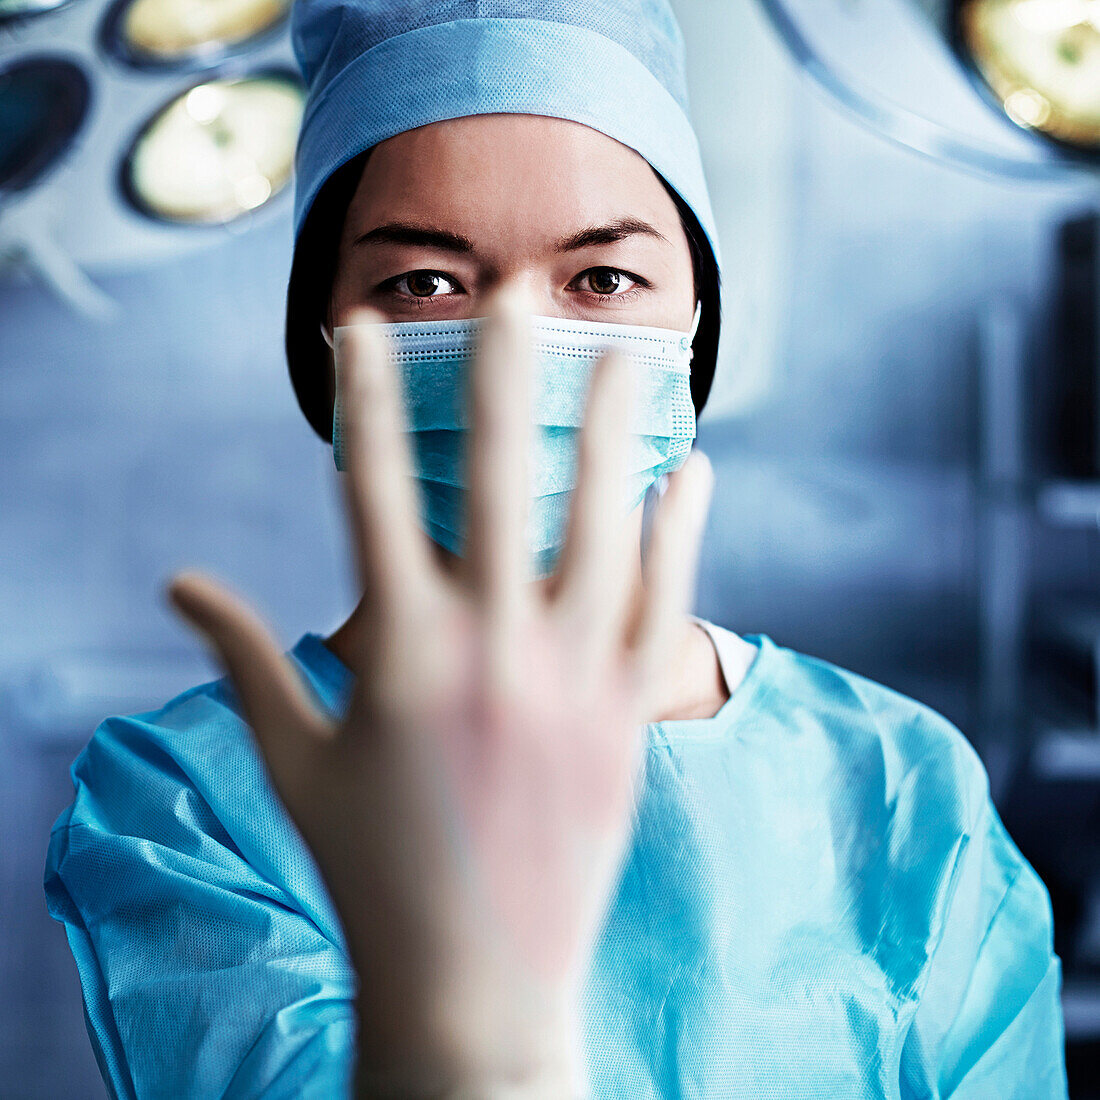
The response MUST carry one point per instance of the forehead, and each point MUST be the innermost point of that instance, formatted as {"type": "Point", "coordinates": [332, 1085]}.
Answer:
{"type": "Point", "coordinates": [507, 167]}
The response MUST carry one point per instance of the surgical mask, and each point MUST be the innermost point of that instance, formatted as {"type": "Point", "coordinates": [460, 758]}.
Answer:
{"type": "Point", "coordinates": [433, 358]}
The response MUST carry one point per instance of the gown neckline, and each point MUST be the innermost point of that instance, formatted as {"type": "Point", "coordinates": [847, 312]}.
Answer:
{"type": "Point", "coordinates": [332, 679]}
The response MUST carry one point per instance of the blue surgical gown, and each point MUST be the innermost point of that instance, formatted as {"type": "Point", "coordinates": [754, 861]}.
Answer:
{"type": "Point", "coordinates": [819, 901]}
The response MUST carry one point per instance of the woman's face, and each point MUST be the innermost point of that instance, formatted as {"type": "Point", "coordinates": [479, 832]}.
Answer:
{"type": "Point", "coordinates": [446, 213]}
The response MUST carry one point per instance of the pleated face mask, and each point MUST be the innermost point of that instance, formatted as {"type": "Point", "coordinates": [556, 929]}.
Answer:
{"type": "Point", "coordinates": [432, 359]}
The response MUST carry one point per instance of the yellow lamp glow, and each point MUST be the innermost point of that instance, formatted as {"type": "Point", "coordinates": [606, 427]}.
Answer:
{"type": "Point", "coordinates": [217, 151]}
{"type": "Point", "coordinates": [1041, 58]}
{"type": "Point", "coordinates": [167, 30]}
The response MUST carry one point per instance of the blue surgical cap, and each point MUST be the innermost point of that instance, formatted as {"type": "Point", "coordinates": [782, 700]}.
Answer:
{"type": "Point", "coordinates": [376, 68]}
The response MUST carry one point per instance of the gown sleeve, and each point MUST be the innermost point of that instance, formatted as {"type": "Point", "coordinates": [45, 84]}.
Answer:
{"type": "Point", "coordinates": [989, 1022]}
{"type": "Point", "coordinates": [203, 975]}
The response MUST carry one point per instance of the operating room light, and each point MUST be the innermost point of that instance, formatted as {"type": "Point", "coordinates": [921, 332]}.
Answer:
{"type": "Point", "coordinates": [135, 131]}
{"type": "Point", "coordinates": [17, 9]}
{"type": "Point", "coordinates": [43, 102]}
{"type": "Point", "coordinates": [1041, 58]}
{"type": "Point", "coordinates": [218, 151]}
{"type": "Point", "coordinates": [1003, 87]}
{"type": "Point", "coordinates": [171, 31]}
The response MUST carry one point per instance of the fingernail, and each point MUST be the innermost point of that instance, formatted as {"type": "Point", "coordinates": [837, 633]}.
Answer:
{"type": "Point", "coordinates": [623, 382]}
{"type": "Point", "coordinates": [366, 352]}
{"type": "Point", "coordinates": [360, 324]}
{"type": "Point", "coordinates": [706, 470]}
{"type": "Point", "coordinates": [189, 592]}
{"type": "Point", "coordinates": [175, 598]}
{"type": "Point", "coordinates": [702, 480]}
{"type": "Point", "coordinates": [364, 315]}
{"type": "Point", "coordinates": [514, 300]}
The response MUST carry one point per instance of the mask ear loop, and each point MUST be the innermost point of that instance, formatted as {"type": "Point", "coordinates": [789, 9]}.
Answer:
{"type": "Point", "coordinates": [328, 339]}
{"type": "Point", "coordinates": [695, 321]}
{"type": "Point", "coordinates": [687, 339]}
{"type": "Point", "coordinates": [657, 490]}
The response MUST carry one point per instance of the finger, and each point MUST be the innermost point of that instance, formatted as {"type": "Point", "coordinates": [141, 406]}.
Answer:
{"type": "Point", "coordinates": [500, 419]}
{"type": "Point", "coordinates": [391, 550]}
{"type": "Point", "coordinates": [672, 562]}
{"type": "Point", "coordinates": [594, 573]}
{"type": "Point", "coordinates": [276, 707]}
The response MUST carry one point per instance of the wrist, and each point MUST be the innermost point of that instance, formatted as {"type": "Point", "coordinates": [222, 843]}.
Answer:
{"type": "Point", "coordinates": [422, 1084]}
{"type": "Point", "coordinates": [456, 1058]}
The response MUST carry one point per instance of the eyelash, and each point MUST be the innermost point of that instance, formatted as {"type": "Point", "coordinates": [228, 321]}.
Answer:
{"type": "Point", "coordinates": [390, 285]}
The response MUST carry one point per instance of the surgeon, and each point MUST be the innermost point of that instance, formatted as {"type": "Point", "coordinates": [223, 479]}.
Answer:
{"type": "Point", "coordinates": [522, 826]}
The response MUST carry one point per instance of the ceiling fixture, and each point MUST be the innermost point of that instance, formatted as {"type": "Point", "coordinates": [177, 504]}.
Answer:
{"type": "Point", "coordinates": [21, 9]}
{"type": "Point", "coordinates": [174, 33]}
{"type": "Point", "coordinates": [926, 74]}
{"type": "Point", "coordinates": [135, 131]}
{"type": "Point", "coordinates": [217, 151]}
{"type": "Point", "coordinates": [43, 103]}
{"type": "Point", "coordinates": [1041, 60]}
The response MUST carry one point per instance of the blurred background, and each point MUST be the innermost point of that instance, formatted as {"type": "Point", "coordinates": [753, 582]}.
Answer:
{"type": "Point", "coordinates": [905, 427]}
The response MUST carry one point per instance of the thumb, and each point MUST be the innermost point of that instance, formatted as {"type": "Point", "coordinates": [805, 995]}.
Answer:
{"type": "Point", "coordinates": [283, 719]}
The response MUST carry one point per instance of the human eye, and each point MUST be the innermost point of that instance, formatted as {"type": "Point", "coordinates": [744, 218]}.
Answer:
{"type": "Point", "coordinates": [609, 282]}
{"type": "Point", "coordinates": [420, 285]}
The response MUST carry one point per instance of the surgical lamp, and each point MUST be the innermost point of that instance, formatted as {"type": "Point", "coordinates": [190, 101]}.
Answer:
{"type": "Point", "coordinates": [132, 131]}
{"type": "Point", "coordinates": [1007, 87]}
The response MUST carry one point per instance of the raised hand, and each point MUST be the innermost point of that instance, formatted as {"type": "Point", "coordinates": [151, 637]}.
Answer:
{"type": "Point", "coordinates": [471, 811]}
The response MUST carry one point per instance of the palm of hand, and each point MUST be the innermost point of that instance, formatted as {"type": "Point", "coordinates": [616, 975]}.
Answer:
{"type": "Point", "coordinates": [471, 810]}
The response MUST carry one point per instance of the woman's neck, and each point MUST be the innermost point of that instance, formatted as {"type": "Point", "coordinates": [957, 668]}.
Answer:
{"type": "Point", "coordinates": [695, 686]}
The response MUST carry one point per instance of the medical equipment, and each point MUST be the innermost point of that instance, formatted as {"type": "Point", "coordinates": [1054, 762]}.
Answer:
{"type": "Point", "coordinates": [181, 32]}
{"type": "Point", "coordinates": [103, 164]}
{"type": "Point", "coordinates": [925, 73]}
{"type": "Point", "coordinates": [218, 150]}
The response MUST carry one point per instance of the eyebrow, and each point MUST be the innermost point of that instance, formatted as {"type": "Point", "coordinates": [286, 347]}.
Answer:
{"type": "Point", "coordinates": [427, 236]}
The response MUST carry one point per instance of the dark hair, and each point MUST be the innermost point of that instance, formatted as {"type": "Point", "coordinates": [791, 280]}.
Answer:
{"type": "Point", "coordinates": [314, 268]}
